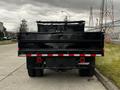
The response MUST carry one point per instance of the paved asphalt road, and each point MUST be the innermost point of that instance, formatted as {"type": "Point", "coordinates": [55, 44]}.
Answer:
{"type": "Point", "coordinates": [13, 75]}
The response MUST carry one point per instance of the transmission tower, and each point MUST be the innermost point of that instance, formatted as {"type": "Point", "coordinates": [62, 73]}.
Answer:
{"type": "Point", "coordinates": [106, 16]}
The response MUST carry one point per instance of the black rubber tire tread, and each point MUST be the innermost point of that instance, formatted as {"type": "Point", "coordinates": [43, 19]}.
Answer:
{"type": "Point", "coordinates": [89, 71]}
{"type": "Point", "coordinates": [83, 72]}
{"type": "Point", "coordinates": [39, 72]}
{"type": "Point", "coordinates": [31, 72]}
{"type": "Point", "coordinates": [30, 63]}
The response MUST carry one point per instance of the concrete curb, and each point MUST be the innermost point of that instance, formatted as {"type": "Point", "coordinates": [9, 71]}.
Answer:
{"type": "Point", "coordinates": [107, 83]}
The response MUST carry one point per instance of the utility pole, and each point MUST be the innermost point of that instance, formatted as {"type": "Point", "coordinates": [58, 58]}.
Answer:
{"type": "Point", "coordinates": [67, 16]}
{"type": "Point", "coordinates": [91, 17]}
{"type": "Point", "coordinates": [113, 15]}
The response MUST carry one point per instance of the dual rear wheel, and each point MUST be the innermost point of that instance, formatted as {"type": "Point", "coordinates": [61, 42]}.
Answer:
{"type": "Point", "coordinates": [88, 70]}
{"type": "Point", "coordinates": [32, 71]}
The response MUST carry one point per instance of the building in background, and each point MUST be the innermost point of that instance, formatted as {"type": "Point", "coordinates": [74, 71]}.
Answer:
{"type": "Point", "coordinates": [1, 26]}
{"type": "Point", "coordinates": [3, 32]}
{"type": "Point", "coordinates": [6, 35]}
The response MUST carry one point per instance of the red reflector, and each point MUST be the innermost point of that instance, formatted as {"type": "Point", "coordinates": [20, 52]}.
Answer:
{"type": "Point", "coordinates": [50, 54]}
{"type": "Point", "coordinates": [82, 54]}
{"type": "Point", "coordinates": [82, 60]}
{"type": "Point", "coordinates": [39, 54]}
{"type": "Point", "coordinates": [28, 55]}
{"type": "Point", "coordinates": [60, 54]}
{"type": "Point", "coordinates": [39, 60]}
{"type": "Point", "coordinates": [71, 54]}
{"type": "Point", "coordinates": [93, 55]}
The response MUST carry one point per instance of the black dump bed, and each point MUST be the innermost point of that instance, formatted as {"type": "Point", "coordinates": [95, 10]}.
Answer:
{"type": "Point", "coordinates": [68, 38]}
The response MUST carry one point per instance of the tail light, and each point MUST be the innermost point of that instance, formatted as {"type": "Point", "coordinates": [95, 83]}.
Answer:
{"type": "Point", "coordinates": [39, 60]}
{"type": "Point", "coordinates": [82, 59]}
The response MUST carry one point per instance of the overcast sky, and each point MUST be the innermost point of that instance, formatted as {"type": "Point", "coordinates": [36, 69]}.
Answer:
{"type": "Point", "coordinates": [12, 11]}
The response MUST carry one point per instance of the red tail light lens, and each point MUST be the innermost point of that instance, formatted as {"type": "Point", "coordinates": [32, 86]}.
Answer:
{"type": "Point", "coordinates": [82, 59]}
{"type": "Point", "coordinates": [39, 60]}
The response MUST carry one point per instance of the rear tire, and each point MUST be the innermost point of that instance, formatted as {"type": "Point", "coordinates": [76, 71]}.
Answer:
{"type": "Point", "coordinates": [39, 72]}
{"type": "Point", "coordinates": [31, 72]}
{"type": "Point", "coordinates": [30, 63]}
{"type": "Point", "coordinates": [83, 72]}
{"type": "Point", "coordinates": [88, 71]}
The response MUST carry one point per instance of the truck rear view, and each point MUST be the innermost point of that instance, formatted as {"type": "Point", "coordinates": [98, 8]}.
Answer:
{"type": "Point", "coordinates": [60, 46]}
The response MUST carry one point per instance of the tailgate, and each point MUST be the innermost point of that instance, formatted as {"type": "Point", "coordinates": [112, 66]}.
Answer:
{"type": "Point", "coordinates": [60, 44]}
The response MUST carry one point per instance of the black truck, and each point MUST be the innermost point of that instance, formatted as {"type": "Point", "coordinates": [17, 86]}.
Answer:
{"type": "Point", "coordinates": [60, 46]}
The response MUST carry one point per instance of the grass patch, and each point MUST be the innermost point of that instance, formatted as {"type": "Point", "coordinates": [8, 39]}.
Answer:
{"type": "Point", "coordinates": [5, 42]}
{"type": "Point", "coordinates": [109, 65]}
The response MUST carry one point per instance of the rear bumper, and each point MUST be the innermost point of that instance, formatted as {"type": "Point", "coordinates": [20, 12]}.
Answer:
{"type": "Point", "coordinates": [59, 55]}
{"type": "Point", "coordinates": [60, 52]}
